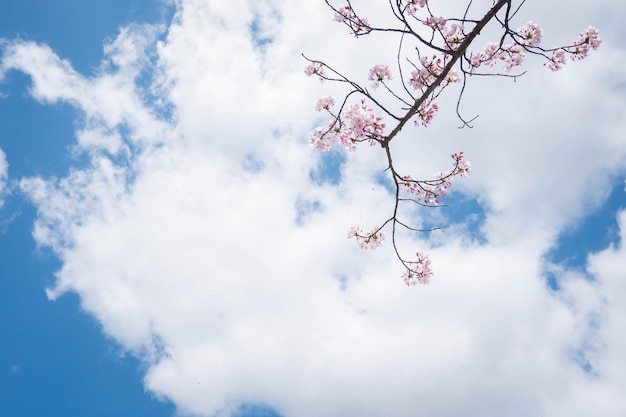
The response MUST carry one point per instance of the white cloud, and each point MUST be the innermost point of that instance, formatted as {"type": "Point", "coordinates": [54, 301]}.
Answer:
{"type": "Point", "coordinates": [196, 263]}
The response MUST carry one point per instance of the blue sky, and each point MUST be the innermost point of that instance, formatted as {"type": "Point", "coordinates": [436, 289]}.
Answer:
{"type": "Point", "coordinates": [55, 359]}
{"type": "Point", "coordinates": [170, 244]}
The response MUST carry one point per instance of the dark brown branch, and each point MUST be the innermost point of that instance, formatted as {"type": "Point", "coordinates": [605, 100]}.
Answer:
{"type": "Point", "coordinates": [455, 57]}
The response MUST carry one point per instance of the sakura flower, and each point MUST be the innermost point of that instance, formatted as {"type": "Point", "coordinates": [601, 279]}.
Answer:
{"type": "Point", "coordinates": [531, 34]}
{"type": "Point", "coordinates": [323, 136]}
{"type": "Point", "coordinates": [426, 112]}
{"type": "Point", "coordinates": [369, 239]}
{"type": "Point", "coordinates": [462, 167]}
{"type": "Point", "coordinates": [411, 6]}
{"type": "Point", "coordinates": [513, 55]}
{"type": "Point", "coordinates": [452, 77]}
{"type": "Point", "coordinates": [316, 68]}
{"type": "Point", "coordinates": [362, 122]}
{"type": "Point", "coordinates": [435, 22]}
{"type": "Point", "coordinates": [324, 103]}
{"type": "Point", "coordinates": [426, 74]}
{"type": "Point", "coordinates": [319, 141]}
{"type": "Point", "coordinates": [580, 52]}
{"type": "Point", "coordinates": [454, 37]}
{"type": "Point", "coordinates": [378, 74]}
{"type": "Point", "coordinates": [358, 25]}
{"type": "Point", "coordinates": [557, 61]}
{"type": "Point", "coordinates": [591, 37]}
{"type": "Point", "coordinates": [487, 56]}
{"type": "Point", "coordinates": [418, 271]}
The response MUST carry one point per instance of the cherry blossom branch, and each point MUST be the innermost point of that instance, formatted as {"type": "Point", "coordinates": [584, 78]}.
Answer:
{"type": "Point", "coordinates": [435, 69]}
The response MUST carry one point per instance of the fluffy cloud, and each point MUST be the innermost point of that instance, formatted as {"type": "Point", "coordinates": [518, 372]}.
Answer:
{"type": "Point", "coordinates": [202, 244]}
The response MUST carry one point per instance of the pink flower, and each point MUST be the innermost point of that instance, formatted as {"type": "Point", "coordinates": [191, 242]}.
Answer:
{"type": "Point", "coordinates": [580, 52]}
{"type": "Point", "coordinates": [531, 34]}
{"type": "Point", "coordinates": [369, 239]}
{"type": "Point", "coordinates": [488, 56]}
{"type": "Point", "coordinates": [591, 37]}
{"type": "Point", "coordinates": [346, 15]}
{"type": "Point", "coordinates": [411, 6]}
{"type": "Point", "coordinates": [356, 124]}
{"type": "Point", "coordinates": [426, 112]}
{"type": "Point", "coordinates": [513, 55]}
{"type": "Point", "coordinates": [378, 74]}
{"type": "Point", "coordinates": [316, 68]}
{"type": "Point", "coordinates": [362, 123]}
{"type": "Point", "coordinates": [429, 192]}
{"type": "Point", "coordinates": [435, 22]}
{"type": "Point", "coordinates": [452, 77]}
{"type": "Point", "coordinates": [322, 137]}
{"type": "Point", "coordinates": [462, 167]}
{"type": "Point", "coordinates": [424, 76]}
{"type": "Point", "coordinates": [324, 103]}
{"type": "Point", "coordinates": [557, 61]}
{"type": "Point", "coordinates": [454, 37]}
{"type": "Point", "coordinates": [418, 271]}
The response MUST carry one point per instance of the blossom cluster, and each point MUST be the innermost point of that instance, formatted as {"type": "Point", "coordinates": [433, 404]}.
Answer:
{"type": "Point", "coordinates": [315, 68]}
{"type": "Point", "coordinates": [378, 74]}
{"type": "Point", "coordinates": [454, 36]}
{"type": "Point", "coordinates": [346, 15]}
{"type": "Point", "coordinates": [512, 55]}
{"type": "Point", "coordinates": [435, 23]}
{"type": "Point", "coordinates": [411, 6]}
{"type": "Point", "coordinates": [418, 271]}
{"type": "Point", "coordinates": [426, 113]}
{"type": "Point", "coordinates": [324, 103]}
{"type": "Point", "coordinates": [429, 192]}
{"type": "Point", "coordinates": [368, 239]}
{"type": "Point", "coordinates": [589, 39]}
{"type": "Point", "coordinates": [430, 69]}
{"type": "Point", "coordinates": [356, 124]}
{"type": "Point", "coordinates": [531, 34]}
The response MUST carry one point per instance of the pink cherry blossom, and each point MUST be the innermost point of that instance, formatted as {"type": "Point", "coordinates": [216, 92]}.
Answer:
{"type": "Point", "coordinates": [418, 271]}
{"type": "Point", "coordinates": [358, 25]}
{"type": "Point", "coordinates": [487, 56]}
{"type": "Point", "coordinates": [454, 36]}
{"type": "Point", "coordinates": [591, 37]}
{"type": "Point", "coordinates": [452, 77]}
{"type": "Point", "coordinates": [430, 192]}
{"type": "Point", "coordinates": [368, 239]}
{"type": "Point", "coordinates": [425, 192]}
{"type": "Point", "coordinates": [427, 110]}
{"type": "Point", "coordinates": [427, 73]}
{"type": "Point", "coordinates": [316, 68]}
{"type": "Point", "coordinates": [463, 167]}
{"type": "Point", "coordinates": [357, 124]}
{"type": "Point", "coordinates": [378, 74]}
{"type": "Point", "coordinates": [580, 52]}
{"type": "Point", "coordinates": [435, 22]}
{"type": "Point", "coordinates": [531, 34]}
{"type": "Point", "coordinates": [411, 6]}
{"type": "Point", "coordinates": [324, 103]}
{"type": "Point", "coordinates": [557, 61]}
{"type": "Point", "coordinates": [362, 122]}
{"type": "Point", "coordinates": [319, 141]}
{"type": "Point", "coordinates": [513, 55]}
